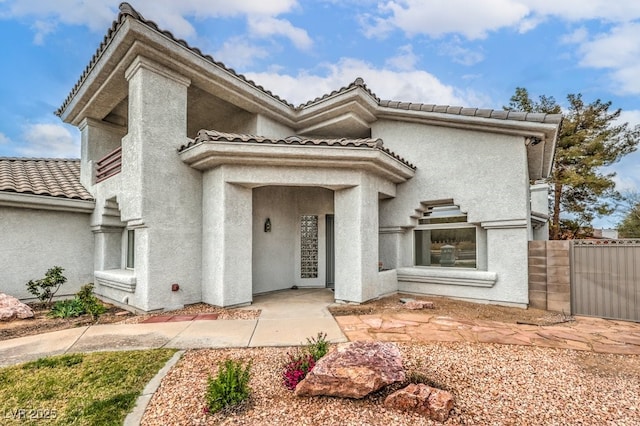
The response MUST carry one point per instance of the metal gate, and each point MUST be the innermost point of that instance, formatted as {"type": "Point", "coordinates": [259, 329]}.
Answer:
{"type": "Point", "coordinates": [605, 278]}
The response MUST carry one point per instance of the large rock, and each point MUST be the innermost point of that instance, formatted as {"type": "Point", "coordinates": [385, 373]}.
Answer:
{"type": "Point", "coordinates": [422, 399]}
{"type": "Point", "coordinates": [354, 370]}
{"type": "Point", "coordinates": [11, 308]}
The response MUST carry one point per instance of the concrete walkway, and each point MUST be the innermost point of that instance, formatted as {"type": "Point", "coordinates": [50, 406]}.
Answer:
{"type": "Point", "coordinates": [585, 333]}
{"type": "Point", "coordinates": [287, 319]}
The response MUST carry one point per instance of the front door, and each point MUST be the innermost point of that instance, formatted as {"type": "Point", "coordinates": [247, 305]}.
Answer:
{"type": "Point", "coordinates": [331, 250]}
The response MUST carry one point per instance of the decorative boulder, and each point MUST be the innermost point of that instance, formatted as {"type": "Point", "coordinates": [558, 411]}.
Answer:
{"type": "Point", "coordinates": [11, 308]}
{"type": "Point", "coordinates": [354, 370]}
{"type": "Point", "coordinates": [422, 399]}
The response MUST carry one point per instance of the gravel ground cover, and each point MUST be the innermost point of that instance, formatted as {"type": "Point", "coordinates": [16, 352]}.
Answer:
{"type": "Point", "coordinates": [492, 384]}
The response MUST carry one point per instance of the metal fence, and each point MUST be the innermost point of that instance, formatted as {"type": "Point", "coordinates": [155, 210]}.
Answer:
{"type": "Point", "coordinates": [605, 278]}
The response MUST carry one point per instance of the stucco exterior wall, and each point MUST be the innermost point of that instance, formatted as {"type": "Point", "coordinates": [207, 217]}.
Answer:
{"type": "Point", "coordinates": [35, 240]}
{"type": "Point", "coordinates": [486, 175]}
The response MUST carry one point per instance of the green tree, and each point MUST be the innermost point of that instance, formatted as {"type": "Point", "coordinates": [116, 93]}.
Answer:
{"type": "Point", "coordinates": [629, 227]}
{"type": "Point", "coordinates": [590, 138]}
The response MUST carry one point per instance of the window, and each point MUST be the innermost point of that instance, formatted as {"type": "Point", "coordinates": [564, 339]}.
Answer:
{"type": "Point", "coordinates": [131, 245]}
{"type": "Point", "coordinates": [443, 238]}
{"type": "Point", "coordinates": [309, 246]}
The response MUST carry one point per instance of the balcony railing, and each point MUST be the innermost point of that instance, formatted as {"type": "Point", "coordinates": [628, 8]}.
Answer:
{"type": "Point", "coordinates": [109, 165]}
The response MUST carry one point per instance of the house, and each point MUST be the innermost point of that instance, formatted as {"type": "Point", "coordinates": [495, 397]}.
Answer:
{"type": "Point", "coordinates": [203, 186]}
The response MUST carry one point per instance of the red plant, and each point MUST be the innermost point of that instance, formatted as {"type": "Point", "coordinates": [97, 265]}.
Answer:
{"type": "Point", "coordinates": [296, 369]}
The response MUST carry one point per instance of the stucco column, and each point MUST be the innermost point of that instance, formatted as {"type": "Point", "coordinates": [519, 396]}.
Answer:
{"type": "Point", "coordinates": [161, 196]}
{"type": "Point", "coordinates": [356, 240]}
{"type": "Point", "coordinates": [226, 241]}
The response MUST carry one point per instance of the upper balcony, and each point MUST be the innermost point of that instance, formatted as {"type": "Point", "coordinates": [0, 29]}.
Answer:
{"type": "Point", "coordinates": [109, 165]}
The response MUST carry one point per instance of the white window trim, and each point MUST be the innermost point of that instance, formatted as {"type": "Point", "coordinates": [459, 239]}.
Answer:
{"type": "Point", "coordinates": [125, 250]}
{"type": "Point", "coordinates": [451, 225]}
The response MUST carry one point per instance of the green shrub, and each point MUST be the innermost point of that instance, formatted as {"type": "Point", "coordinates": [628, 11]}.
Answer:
{"type": "Point", "coordinates": [230, 387]}
{"type": "Point", "coordinates": [67, 309]}
{"type": "Point", "coordinates": [84, 303]}
{"type": "Point", "coordinates": [45, 288]}
{"type": "Point", "coordinates": [318, 346]}
{"type": "Point", "coordinates": [90, 303]}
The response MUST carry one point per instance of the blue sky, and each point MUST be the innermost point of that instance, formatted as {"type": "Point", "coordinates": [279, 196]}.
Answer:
{"type": "Point", "coordinates": [458, 52]}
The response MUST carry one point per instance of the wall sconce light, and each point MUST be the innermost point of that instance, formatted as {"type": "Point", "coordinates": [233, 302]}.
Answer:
{"type": "Point", "coordinates": [267, 225]}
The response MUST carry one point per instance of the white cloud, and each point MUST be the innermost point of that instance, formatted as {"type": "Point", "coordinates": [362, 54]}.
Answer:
{"type": "Point", "coordinates": [238, 52]}
{"type": "Point", "coordinates": [265, 26]}
{"type": "Point", "coordinates": [474, 19]}
{"type": "Point", "coordinates": [438, 17]}
{"type": "Point", "coordinates": [171, 15]}
{"type": "Point", "coordinates": [630, 116]}
{"type": "Point", "coordinates": [410, 86]}
{"type": "Point", "coordinates": [4, 139]}
{"type": "Point", "coordinates": [625, 184]}
{"type": "Point", "coordinates": [50, 140]}
{"type": "Point", "coordinates": [578, 10]}
{"type": "Point", "coordinates": [459, 54]}
{"type": "Point", "coordinates": [578, 36]}
{"type": "Point", "coordinates": [619, 51]}
{"type": "Point", "coordinates": [405, 60]}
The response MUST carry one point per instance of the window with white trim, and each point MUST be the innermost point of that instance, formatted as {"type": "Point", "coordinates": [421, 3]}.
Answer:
{"type": "Point", "coordinates": [444, 238]}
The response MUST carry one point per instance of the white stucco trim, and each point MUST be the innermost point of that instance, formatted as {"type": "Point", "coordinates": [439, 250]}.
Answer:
{"type": "Point", "coordinates": [119, 279]}
{"type": "Point", "coordinates": [449, 276]}
{"type": "Point", "coordinates": [208, 155]}
{"type": "Point", "coordinates": [44, 202]}
{"type": "Point", "coordinates": [504, 224]}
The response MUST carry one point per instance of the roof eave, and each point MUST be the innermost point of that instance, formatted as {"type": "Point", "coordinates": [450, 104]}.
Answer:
{"type": "Point", "coordinates": [45, 202]}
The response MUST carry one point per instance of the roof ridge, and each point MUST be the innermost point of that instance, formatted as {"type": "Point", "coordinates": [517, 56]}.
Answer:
{"type": "Point", "coordinates": [358, 82]}
{"type": "Point", "coordinates": [474, 112]}
{"type": "Point", "coordinates": [127, 10]}
{"type": "Point", "coordinates": [77, 160]}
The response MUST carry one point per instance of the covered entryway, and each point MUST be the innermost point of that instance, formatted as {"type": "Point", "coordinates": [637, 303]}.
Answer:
{"type": "Point", "coordinates": [290, 237]}
{"type": "Point", "coordinates": [298, 181]}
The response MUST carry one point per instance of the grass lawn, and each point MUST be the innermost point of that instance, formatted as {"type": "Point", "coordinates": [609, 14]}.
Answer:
{"type": "Point", "coordinates": [78, 389]}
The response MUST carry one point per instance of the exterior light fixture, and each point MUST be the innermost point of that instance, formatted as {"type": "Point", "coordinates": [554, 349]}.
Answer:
{"type": "Point", "coordinates": [267, 225]}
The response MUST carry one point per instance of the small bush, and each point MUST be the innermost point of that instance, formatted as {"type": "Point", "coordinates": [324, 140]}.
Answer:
{"type": "Point", "coordinates": [230, 387]}
{"type": "Point", "coordinates": [67, 309]}
{"type": "Point", "coordinates": [318, 346]}
{"type": "Point", "coordinates": [45, 288]}
{"type": "Point", "coordinates": [84, 303]}
{"type": "Point", "coordinates": [90, 303]}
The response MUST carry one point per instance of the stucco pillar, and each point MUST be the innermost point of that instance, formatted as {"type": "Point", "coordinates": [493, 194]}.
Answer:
{"type": "Point", "coordinates": [356, 240]}
{"type": "Point", "coordinates": [161, 196]}
{"type": "Point", "coordinates": [226, 241]}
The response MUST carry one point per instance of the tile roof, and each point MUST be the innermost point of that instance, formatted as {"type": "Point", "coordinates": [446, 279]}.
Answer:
{"type": "Point", "coordinates": [126, 10]}
{"type": "Point", "coordinates": [215, 136]}
{"type": "Point", "coordinates": [474, 112]}
{"type": "Point", "coordinates": [54, 177]}
{"type": "Point", "coordinates": [358, 82]}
